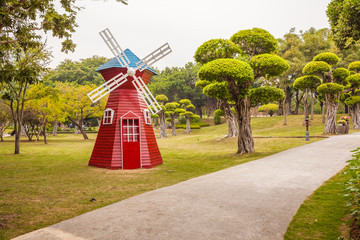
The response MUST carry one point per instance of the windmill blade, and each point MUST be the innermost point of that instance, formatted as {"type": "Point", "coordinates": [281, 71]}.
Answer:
{"type": "Point", "coordinates": [114, 47]}
{"type": "Point", "coordinates": [154, 57]}
{"type": "Point", "coordinates": [145, 93]}
{"type": "Point", "coordinates": [107, 87]}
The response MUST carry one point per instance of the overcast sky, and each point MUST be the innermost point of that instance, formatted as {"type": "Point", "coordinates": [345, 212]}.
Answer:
{"type": "Point", "coordinates": [144, 25]}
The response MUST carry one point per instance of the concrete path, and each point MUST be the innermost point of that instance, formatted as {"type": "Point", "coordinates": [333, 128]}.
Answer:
{"type": "Point", "coordinates": [256, 200]}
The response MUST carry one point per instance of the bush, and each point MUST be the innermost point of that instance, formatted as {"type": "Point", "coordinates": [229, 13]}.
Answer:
{"type": "Point", "coordinates": [217, 119]}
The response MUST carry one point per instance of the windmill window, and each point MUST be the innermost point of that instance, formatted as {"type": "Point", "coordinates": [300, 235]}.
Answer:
{"type": "Point", "coordinates": [108, 116]}
{"type": "Point", "coordinates": [147, 117]}
{"type": "Point", "coordinates": [130, 130]}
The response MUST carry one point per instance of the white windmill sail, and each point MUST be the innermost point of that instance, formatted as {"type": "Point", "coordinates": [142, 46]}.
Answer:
{"type": "Point", "coordinates": [139, 84]}
{"type": "Point", "coordinates": [145, 93]}
{"type": "Point", "coordinates": [120, 79]}
{"type": "Point", "coordinates": [154, 57]}
{"type": "Point", "coordinates": [107, 87]}
{"type": "Point", "coordinates": [114, 47]}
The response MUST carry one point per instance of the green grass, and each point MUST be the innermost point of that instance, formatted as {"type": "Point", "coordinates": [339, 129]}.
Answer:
{"type": "Point", "coordinates": [49, 183]}
{"type": "Point", "coordinates": [324, 215]}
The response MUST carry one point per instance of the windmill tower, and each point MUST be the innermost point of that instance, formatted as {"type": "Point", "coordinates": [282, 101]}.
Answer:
{"type": "Point", "coordinates": [126, 138]}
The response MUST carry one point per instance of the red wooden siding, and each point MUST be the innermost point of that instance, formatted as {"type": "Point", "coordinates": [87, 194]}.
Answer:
{"type": "Point", "coordinates": [107, 148]}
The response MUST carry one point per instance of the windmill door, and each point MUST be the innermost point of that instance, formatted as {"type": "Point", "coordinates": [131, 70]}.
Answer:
{"type": "Point", "coordinates": [130, 144]}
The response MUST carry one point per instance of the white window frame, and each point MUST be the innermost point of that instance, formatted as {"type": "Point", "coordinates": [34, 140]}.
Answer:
{"type": "Point", "coordinates": [147, 117]}
{"type": "Point", "coordinates": [108, 116]}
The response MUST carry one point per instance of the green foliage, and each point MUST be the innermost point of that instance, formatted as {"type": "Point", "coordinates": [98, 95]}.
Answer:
{"type": "Point", "coordinates": [269, 108]}
{"type": "Point", "coordinates": [179, 83]}
{"type": "Point", "coordinates": [354, 66]}
{"type": "Point", "coordinates": [202, 83]}
{"type": "Point", "coordinates": [352, 100]}
{"type": "Point", "coordinates": [268, 65]}
{"type": "Point", "coordinates": [230, 70]}
{"type": "Point", "coordinates": [353, 186]}
{"type": "Point", "coordinates": [340, 74]}
{"type": "Point", "coordinates": [217, 120]}
{"type": "Point", "coordinates": [265, 94]}
{"type": "Point", "coordinates": [310, 82]}
{"type": "Point", "coordinates": [161, 98]}
{"type": "Point", "coordinates": [217, 90]}
{"type": "Point", "coordinates": [344, 20]}
{"type": "Point", "coordinates": [255, 41]}
{"type": "Point", "coordinates": [219, 112]}
{"type": "Point", "coordinates": [79, 72]}
{"type": "Point", "coordinates": [354, 80]}
{"type": "Point", "coordinates": [328, 57]}
{"type": "Point", "coordinates": [22, 20]}
{"type": "Point", "coordinates": [215, 49]}
{"type": "Point", "coordinates": [316, 68]}
{"type": "Point", "coordinates": [331, 90]}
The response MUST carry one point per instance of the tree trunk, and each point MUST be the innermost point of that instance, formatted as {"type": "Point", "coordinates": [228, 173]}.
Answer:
{"type": "Point", "coordinates": [312, 105]}
{"type": "Point", "coordinates": [330, 123]}
{"type": "Point", "coordinates": [306, 109]}
{"type": "Point", "coordinates": [173, 128]}
{"type": "Point", "coordinates": [356, 116]}
{"type": "Point", "coordinates": [230, 119]}
{"type": "Point", "coordinates": [285, 111]}
{"type": "Point", "coordinates": [80, 127]}
{"type": "Point", "coordinates": [288, 95]}
{"type": "Point", "coordinates": [162, 126]}
{"type": "Point", "coordinates": [55, 128]}
{"type": "Point", "coordinates": [44, 131]}
{"type": "Point", "coordinates": [281, 108]}
{"type": "Point", "coordinates": [245, 140]}
{"type": "Point", "coordinates": [322, 111]}
{"type": "Point", "coordinates": [188, 128]}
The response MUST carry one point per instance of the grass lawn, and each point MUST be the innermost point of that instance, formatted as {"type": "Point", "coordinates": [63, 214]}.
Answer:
{"type": "Point", "coordinates": [49, 183]}
{"type": "Point", "coordinates": [324, 215]}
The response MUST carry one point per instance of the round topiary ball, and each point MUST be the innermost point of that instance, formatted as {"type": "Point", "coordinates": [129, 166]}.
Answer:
{"type": "Point", "coordinates": [328, 57]}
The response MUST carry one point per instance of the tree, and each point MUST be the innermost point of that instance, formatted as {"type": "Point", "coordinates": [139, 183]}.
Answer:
{"type": "Point", "coordinates": [187, 113]}
{"type": "Point", "coordinates": [77, 105]}
{"type": "Point", "coordinates": [44, 100]}
{"type": "Point", "coordinates": [239, 77]}
{"type": "Point", "coordinates": [81, 72]}
{"type": "Point", "coordinates": [173, 110]}
{"type": "Point", "coordinates": [162, 115]}
{"type": "Point", "coordinates": [270, 108]}
{"type": "Point", "coordinates": [321, 66]}
{"type": "Point", "coordinates": [308, 83]}
{"type": "Point", "coordinates": [344, 21]}
{"type": "Point", "coordinates": [207, 52]}
{"type": "Point", "coordinates": [26, 68]}
{"type": "Point", "coordinates": [353, 99]}
{"type": "Point", "coordinates": [5, 118]}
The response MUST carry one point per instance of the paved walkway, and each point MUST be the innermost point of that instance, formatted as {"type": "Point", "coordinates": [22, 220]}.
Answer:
{"type": "Point", "coordinates": [256, 200]}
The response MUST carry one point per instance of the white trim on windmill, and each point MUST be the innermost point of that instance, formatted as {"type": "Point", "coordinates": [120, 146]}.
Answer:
{"type": "Point", "coordinates": [120, 79]}
{"type": "Point", "coordinates": [108, 116]}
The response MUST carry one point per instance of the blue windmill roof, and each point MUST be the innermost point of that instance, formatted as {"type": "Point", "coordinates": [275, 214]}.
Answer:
{"type": "Point", "coordinates": [115, 63]}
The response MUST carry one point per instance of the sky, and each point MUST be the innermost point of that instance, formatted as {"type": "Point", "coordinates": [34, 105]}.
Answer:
{"type": "Point", "coordinates": [144, 25]}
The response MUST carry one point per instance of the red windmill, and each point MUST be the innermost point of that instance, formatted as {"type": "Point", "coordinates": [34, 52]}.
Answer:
{"type": "Point", "coordinates": [126, 138]}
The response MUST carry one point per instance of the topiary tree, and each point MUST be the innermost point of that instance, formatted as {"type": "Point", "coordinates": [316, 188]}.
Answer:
{"type": "Point", "coordinates": [354, 66]}
{"type": "Point", "coordinates": [270, 108]}
{"type": "Point", "coordinates": [187, 113]}
{"type": "Point", "coordinates": [162, 115]}
{"type": "Point", "coordinates": [307, 83]}
{"type": "Point", "coordinates": [238, 75]}
{"type": "Point", "coordinates": [255, 41]}
{"type": "Point", "coordinates": [217, 116]}
{"type": "Point", "coordinates": [353, 85]}
{"type": "Point", "coordinates": [332, 92]}
{"type": "Point", "coordinates": [209, 51]}
{"type": "Point", "coordinates": [321, 66]}
{"type": "Point", "coordinates": [173, 110]}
